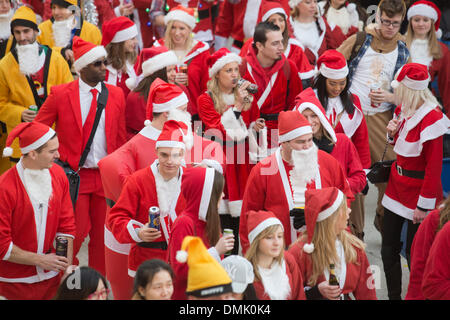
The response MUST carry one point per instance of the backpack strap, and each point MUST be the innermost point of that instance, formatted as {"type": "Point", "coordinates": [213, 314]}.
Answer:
{"type": "Point", "coordinates": [360, 38]}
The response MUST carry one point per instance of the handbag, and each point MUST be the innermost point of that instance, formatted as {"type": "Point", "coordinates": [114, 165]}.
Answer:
{"type": "Point", "coordinates": [380, 171]}
{"type": "Point", "coordinates": [72, 176]}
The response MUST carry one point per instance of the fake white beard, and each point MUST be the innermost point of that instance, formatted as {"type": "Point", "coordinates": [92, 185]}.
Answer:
{"type": "Point", "coordinates": [185, 117]}
{"type": "Point", "coordinates": [276, 281]}
{"type": "Point", "coordinates": [28, 55]}
{"type": "Point", "coordinates": [340, 17]}
{"type": "Point", "coordinates": [38, 184]}
{"type": "Point", "coordinates": [165, 191]}
{"type": "Point", "coordinates": [5, 21]}
{"type": "Point", "coordinates": [62, 31]}
{"type": "Point", "coordinates": [305, 166]}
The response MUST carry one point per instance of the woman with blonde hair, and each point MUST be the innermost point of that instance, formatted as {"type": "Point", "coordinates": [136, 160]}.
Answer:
{"type": "Point", "coordinates": [422, 40]}
{"type": "Point", "coordinates": [325, 243]}
{"type": "Point", "coordinates": [277, 276]}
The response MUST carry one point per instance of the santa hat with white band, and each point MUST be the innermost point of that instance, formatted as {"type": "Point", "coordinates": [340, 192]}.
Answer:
{"type": "Point", "coordinates": [415, 76]}
{"type": "Point", "coordinates": [172, 135]}
{"type": "Point", "coordinates": [183, 14]}
{"type": "Point", "coordinates": [258, 221]}
{"type": "Point", "coordinates": [117, 30]}
{"type": "Point", "coordinates": [291, 125]}
{"type": "Point", "coordinates": [332, 65]}
{"type": "Point", "coordinates": [427, 9]}
{"type": "Point", "coordinates": [219, 59]}
{"type": "Point", "coordinates": [85, 53]}
{"type": "Point", "coordinates": [32, 135]}
{"type": "Point", "coordinates": [320, 204]}
{"type": "Point", "coordinates": [269, 8]}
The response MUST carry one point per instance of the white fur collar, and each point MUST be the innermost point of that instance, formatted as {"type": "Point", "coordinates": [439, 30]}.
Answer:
{"type": "Point", "coordinates": [339, 17]}
{"type": "Point", "coordinates": [420, 52]}
{"type": "Point", "coordinates": [167, 191]}
{"type": "Point", "coordinates": [38, 184]}
{"type": "Point", "coordinates": [276, 281]}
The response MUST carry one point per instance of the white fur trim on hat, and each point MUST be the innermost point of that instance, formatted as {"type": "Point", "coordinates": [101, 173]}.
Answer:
{"type": "Point", "coordinates": [294, 133]}
{"type": "Point", "coordinates": [220, 63]}
{"type": "Point", "coordinates": [422, 10]}
{"type": "Point", "coordinates": [206, 194]}
{"type": "Point", "coordinates": [126, 34]}
{"type": "Point", "coordinates": [213, 164]}
{"type": "Point", "coordinates": [182, 16]}
{"type": "Point", "coordinates": [330, 210]}
{"type": "Point", "coordinates": [273, 11]}
{"type": "Point", "coordinates": [89, 57]}
{"type": "Point", "coordinates": [334, 74]}
{"type": "Point", "coordinates": [262, 226]}
{"type": "Point", "coordinates": [294, 3]}
{"type": "Point", "coordinates": [181, 256]}
{"type": "Point", "coordinates": [176, 102]}
{"type": "Point", "coordinates": [158, 62]}
{"type": "Point", "coordinates": [323, 120]}
{"type": "Point", "coordinates": [170, 144]}
{"type": "Point", "coordinates": [39, 142]}
{"type": "Point", "coordinates": [411, 84]}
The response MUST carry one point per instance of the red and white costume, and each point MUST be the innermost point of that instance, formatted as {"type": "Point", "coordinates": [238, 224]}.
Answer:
{"type": "Point", "coordinates": [272, 176]}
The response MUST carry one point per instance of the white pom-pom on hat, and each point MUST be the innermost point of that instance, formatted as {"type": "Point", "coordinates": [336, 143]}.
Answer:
{"type": "Point", "coordinates": [351, 7]}
{"type": "Point", "coordinates": [147, 123]}
{"type": "Point", "coordinates": [7, 152]}
{"type": "Point", "coordinates": [439, 33]}
{"type": "Point", "coordinates": [308, 248]}
{"type": "Point", "coordinates": [182, 256]}
{"type": "Point", "coordinates": [130, 83]}
{"type": "Point", "coordinates": [395, 84]}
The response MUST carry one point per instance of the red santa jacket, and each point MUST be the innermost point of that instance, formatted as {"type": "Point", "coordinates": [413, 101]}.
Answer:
{"type": "Point", "coordinates": [436, 277]}
{"type": "Point", "coordinates": [18, 226]}
{"type": "Point", "coordinates": [418, 145]}
{"type": "Point", "coordinates": [131, 211]}
{"type": "Point", "coordinates": [357, 275]}
{"type": "Point", "coordinates": [420, 250]}
{"type": "Point", "coordinates": [268, 188]}
{"type": "Point", "coordinates": [62, 107]}
{"type": "Point", "coordinates": [295, 281]}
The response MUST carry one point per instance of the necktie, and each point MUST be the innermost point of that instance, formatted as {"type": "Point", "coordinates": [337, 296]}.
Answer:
{"type": "Point", "coordinates": [87, 127]}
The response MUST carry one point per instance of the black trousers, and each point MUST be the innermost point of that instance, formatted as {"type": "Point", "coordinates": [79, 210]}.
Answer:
{"type": "Point", "coordinates": [390, 251]}
{"type": "Point", "coordinates": [229, 222]}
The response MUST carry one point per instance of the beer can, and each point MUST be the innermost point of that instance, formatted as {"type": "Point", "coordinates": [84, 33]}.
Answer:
{"type": "Point", "coordinates": [61, 246]}
{"type": "Point", "coordinates": [33, 107]}
{"type": "Point", "coordinates": [227, 232]}
{"type": "Point", "coordinates": [153, 218]}
{"type": "Point", "coordinates": [374, 87]}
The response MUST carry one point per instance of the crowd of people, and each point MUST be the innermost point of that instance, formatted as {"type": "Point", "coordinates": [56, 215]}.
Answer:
{"type": "Point", "coordinates": [221, 149]}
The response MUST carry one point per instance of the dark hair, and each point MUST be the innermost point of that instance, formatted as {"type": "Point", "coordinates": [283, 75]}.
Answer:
{"type": "Point", "coordinates": [286, 29]}
{"type": "Point", "coordinates": [146, 271]}
{"type": "Point", "coordinates": [250, 293]}
{"type": "Point", "coordinates": [213, 226]}
{"type": "Point", "coordinates": [144, 86]}
{"type": "Point", "coordinates": [261, 31]}
{"type": "Point", "coordinates": [88, 284]}
{"type": "Point", "coordinates": [346, 96]}
{"type": "Point", "coordinates": [392, 7]}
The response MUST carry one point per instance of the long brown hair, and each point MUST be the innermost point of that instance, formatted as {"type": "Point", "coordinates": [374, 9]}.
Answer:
{"type": "Point", "coordinates": [433, 44]}
{"type": "Point", "coordinates": [117, 56]}
{"type": "Point", "coordinates": [213, 227]}
{"type": "Point", "coordinates": [144, 86]}
{"type": "Point", "coordinates": [444, 214]}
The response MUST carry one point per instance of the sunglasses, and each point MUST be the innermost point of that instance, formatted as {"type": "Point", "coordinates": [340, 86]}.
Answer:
{"type": "Point", "coordinates": [99, 63]}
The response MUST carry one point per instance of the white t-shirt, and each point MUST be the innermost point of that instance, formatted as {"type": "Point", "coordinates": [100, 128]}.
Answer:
{"type": "Point", "coordinates": [373, 68]}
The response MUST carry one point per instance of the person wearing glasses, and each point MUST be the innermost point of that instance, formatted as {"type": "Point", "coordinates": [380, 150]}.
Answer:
{"type": "Point", "coordinates": [371, 70]}
{"type": "Point", "coordinates": [73, 108]}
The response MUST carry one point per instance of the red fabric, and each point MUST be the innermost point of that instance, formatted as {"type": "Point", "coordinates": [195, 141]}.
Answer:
{"type": "Point", "coordinates": [441, 69]}
{"type": "Point", "coordinates": [338, 35]}
{"type": "Point", "coordinates": [135, 113]}
{"type": "Point", "coordinates": [436, 277]}
{"type": "Point", "coordinates": [44, 290]}
{"type": "Point", "coordinates": [120, 81]}
{"type": "Point", "coordinates": [117, 274]}
{"type": "Point", "coordinates": [295, 281]}
{"type": "Point", "coordinates": [89, 122]}
{"type": "Point", "coordinates": [357, 278]}
{"type": "Point", "coordinates": [420, 250]}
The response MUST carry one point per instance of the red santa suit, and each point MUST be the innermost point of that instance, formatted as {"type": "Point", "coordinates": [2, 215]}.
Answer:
{"type": "Point", "coordinates": [420, 250]}
{"type": "Point", "coordinates": [436, 277]}
{"type": "Point", "coordinates": [196, 189]}
{"type": "Point", "coordinates": [273, 174]}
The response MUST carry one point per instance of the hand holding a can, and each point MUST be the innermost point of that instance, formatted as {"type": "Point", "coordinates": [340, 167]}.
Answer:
{"type": "Point", "coordinates": [52, 262]}
{"type": "Point", "coordinates": [379, 96]}
{"type": "Point", "coordinates": [225, 243]}
{"type": "Point", "coordinates": [149, 234]}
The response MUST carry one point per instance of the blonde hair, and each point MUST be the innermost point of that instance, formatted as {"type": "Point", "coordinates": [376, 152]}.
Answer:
{"type": "Point", "coordinates": [252, 253]}
{"type": "Point", "coordinates": [324, 240]}
{"type": "Point", "coordinates": [433, 44]}
{"type": "Point", "coordinates": [168, 43]}
{"type": "Point", "coordinates": [217, 96]}
{"type": "Point", "coordinates": [411, 99]}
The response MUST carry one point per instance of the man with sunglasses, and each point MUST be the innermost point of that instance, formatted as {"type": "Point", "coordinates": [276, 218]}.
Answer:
{"type": "Point", "coordinates": [73, 108]}
{"type": "Point", "coordinates": [373, 64]}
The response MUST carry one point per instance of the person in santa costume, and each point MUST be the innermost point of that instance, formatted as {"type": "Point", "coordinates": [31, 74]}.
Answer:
{"type": "Point", "coordinates": [6, 39]}
{"type": "Point", "coordinates": [278, 182]}
{"type": "Point", "coordinates": [152, 63]}
{"type": "Point", "coordinates": [157, 185]}
{"type": "Point", "coordinates": [436, 276]}
{"type": "Point", "coordinates": [276, 77]}
{"type": "Point", "coordinates": [420, 248]}
{"type": "Point", "coordinates": [206, 278]}
{"type": "Point", "coordinates": [276, 274]}
{"type": "Point", "coordinates": [119, 40]}
{"type": "Point", "coordinates": [35, 208]}
{"type": "Point", "coordinates": [224, 112]}
{"type": "Point", "coordinates": [422, 41]}
{"type": "Point", "coordinates": [414, 185]}
{"type": "Point", "coordinates": [180, 22]}
{"type": "Point", "coordinates": [336, 144]}
{"type": "Point", "coordinates": [59, 31]}
{"type": "Point", "coordinates": [326, 241]}
{"type": "Point", "coordinates": [27, 74]}
{"type": "Point", "coordinates": [342, 17]}
{"type": "Point", "coordinates": [274, 12]}
{"type": "Point", "coordinates": [202, 188]}
{"type": "Point", "coordinates": [310, 29]}
{"type": "Point", "coordinates": [72, 107]}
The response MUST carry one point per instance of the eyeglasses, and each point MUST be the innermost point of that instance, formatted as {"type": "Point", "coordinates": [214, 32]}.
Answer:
{"type": "Point", "coordinates": [388, 23]}
{"type": "Point", "coordinates": [99, 294]}
{"type": "Point", "coordinates": [99, 63]}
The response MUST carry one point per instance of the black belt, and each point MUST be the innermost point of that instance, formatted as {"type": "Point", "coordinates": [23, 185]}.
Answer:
{"type": "Point", "coordinates": [238, 44]}
{"type": "Point", "coordinates": [228, 143]}
{"type": "Point", "coordinates": [153, 245]}
{"type": "Point", "coordinates": [410, 173]}
{"type": "Point", "coordinates": [269, 116]}
{"type": "Point", "coordinates": [205, 13]}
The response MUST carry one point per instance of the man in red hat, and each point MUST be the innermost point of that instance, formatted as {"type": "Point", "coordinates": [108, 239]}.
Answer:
{"type": "Point", "coordinates": [278, 183]}
{"type": "Point", "coordinates": [35, 207]}
{"type": "Point", "coordinates": [73, 107]}
{"type": "Point", "coordinates": [27, 73]}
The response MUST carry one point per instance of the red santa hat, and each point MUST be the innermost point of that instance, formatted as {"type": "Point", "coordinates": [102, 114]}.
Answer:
{"type": "Point", "coordinates": [258, 221]}
{"type": "Point", "coordinates": [426, 9]}
{"type": "Point", "coordinates": [219, 59]}
{"type": "Point", "coordinates": [85, 53]}
{"type": "Point", "coordinates": [117, 30]}
{"type": "Point", "coordinates": [413, 75]}
{"type": "Point", "coordinates": [32, 135]}
{"type": "Point", "coordinates": [332, 65]}
{"type": "Point", "coordinates": [292, 124]}
{"type": "Point", "coordinates": [319, 205]}
{"type": "Point", "coordinates": [151, 60]}
{"type": "Point", "coordinates": [163, 97]}
{"type": "Point", "coordinates": [173, 135]}
{"type": "Point", "coordinates": [307, 99]}
{"type": "Point", "coordinates": [183, 14]}
{"type": "Point", "coordinates": [269, 8]}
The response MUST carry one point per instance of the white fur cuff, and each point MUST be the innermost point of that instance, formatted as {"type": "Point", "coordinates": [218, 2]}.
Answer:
{"type": "Point", "coordinates": [235, 129]}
